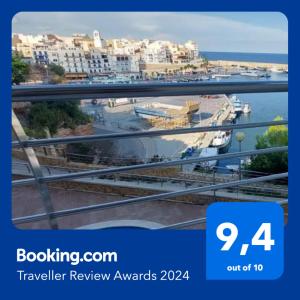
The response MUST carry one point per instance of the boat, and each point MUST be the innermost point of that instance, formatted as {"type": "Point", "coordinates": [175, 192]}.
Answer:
{"type": "Point", "coordinates": [275, 70]}
{"type": "Point", "coordinates": [219, 76]}
{"type": "Point", "coordinates": [221, 140]}
{"type": "Point", "coordinates": [252, 74]}
{"type": "Point", "coordinates": [265, 75]}
{"type": "Point", "coordinates": [246, 108]}
{"type": "Point", "coordinates": [207, 152]}
{"type": "Point", "coordinates": [203, 78]}
{"type": "Point", "coordinates": [236, 104]}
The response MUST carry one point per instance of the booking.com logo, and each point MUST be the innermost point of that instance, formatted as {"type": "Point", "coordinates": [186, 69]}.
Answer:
{"type": "Point", "coordinates": [73, 257]}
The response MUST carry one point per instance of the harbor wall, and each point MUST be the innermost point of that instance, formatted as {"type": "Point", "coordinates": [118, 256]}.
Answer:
{"type": "Point", "coordinates": [228, 63]}
{"type": "Point", "coordinates": [220, 63]}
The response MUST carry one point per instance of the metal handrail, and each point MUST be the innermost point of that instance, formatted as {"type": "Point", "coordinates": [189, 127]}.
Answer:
{"type": "Point", "coordinates": [90, 91]}
{"type": "Point", "coordinates": [96, 207]}
{"type": "Point", "coordinates": [200, 220]}
{"type": "Point", "coordinates": [98, 137]}
{"type": "Point", "coordinates": [114, 170]}
{"type": "Point", "coordinates": [62, 92]}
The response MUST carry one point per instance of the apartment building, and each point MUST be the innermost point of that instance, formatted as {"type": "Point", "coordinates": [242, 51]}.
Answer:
{"type": "Point", "coordinates": [40, 54]}
{"type": "Point", "coordinates": [81, 53]}
{"type": "Point", "coordinates": [126, 63]}
{"type": "Point", "coordinates": [72, 59]}
{"type": "Point", "coordinates": [193, 49]}
{"type": "Point", "coordinates": [99, 62]}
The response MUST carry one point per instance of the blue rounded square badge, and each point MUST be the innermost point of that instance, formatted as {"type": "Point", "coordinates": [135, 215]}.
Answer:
{"type": "Point", "coordinates": [244, 241]}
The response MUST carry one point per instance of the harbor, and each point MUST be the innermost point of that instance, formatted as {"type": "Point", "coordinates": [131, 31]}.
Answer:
{"type": "Point", "coordinates": [146, 114]}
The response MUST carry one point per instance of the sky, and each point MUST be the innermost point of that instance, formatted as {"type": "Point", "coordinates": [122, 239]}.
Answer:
{"type": "Point", "coordinates": [262, 32]}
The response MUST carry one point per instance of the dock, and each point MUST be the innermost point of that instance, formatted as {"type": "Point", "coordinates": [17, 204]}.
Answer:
{"type": "Point", "coordinates": [224, 114]}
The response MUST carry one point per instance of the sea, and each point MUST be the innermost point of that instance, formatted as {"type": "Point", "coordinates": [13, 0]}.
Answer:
{"type": "Point", "coordinates": [249, 57]}
{"type": "Point", "coordinates": [265, 106]}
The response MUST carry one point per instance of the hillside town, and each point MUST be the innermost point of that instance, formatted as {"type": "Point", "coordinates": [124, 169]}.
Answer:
{"type": "Point", "coordinates": [82, 56]}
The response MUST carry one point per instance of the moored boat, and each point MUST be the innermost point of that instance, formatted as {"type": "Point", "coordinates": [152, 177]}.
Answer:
{"type": "Point", "coordinates": [219, 76]}
{"type": "Point", "coordinates": [236, 104]}
{"type": "Point", "coordinates": [221, 141]}
{"type": "Point", "coordinates": [252, 74]}
{"type": "Point", "coordinates": [246, 108]}
{"type": "Point", "coordinates": [275, 70]}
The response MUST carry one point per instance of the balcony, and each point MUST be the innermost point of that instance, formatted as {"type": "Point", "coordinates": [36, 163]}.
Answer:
{"type": "Point", "coordinates": [41, 178]}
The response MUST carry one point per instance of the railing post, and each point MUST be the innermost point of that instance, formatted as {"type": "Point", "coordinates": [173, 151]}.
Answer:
{"type": "Point", "coordinates": [214, 182]}
{"type": "Point", "coordinates": [36, 170]}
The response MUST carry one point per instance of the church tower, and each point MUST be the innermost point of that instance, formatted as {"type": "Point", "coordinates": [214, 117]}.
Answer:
{"type": "Point", "coordinates": [97, 39]}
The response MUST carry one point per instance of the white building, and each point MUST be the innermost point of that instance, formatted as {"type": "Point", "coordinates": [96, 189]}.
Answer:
{"type": "Point", "coordinates": [157, 52]}
{"type": "Point", "coordinates": [40, 54]}
{"type": "Point", "coordinates": [99, 42]}
{"type": "Point", "coordinates": [81, 53]}
{"type": "Point", "coordinates": [99, 62]}
{"type": "Point", "coordinates": [126, 63]}
{"type": "Point", "coordinates": [193, 49]}
{"type": "Point", "coordinates": [72, 59]}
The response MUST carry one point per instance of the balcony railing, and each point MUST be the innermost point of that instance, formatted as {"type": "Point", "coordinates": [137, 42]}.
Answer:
{"type": "Point", "coordinates": [86, 91]}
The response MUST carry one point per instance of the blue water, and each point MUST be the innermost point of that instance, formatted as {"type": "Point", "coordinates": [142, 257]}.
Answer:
{"type": "Point", "coordinates": [265, 107]}
{"type": "Point", "coordinates": [249, 57]}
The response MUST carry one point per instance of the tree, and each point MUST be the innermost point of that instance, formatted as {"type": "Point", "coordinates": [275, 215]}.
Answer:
{"type": "Point", "coordinates": [205, 63]}
{"type": "Point", "coordinates": [275, 136]}
{"type": "Point", "coordinates": [19, 69]}
{"type": "Point", "coordinates": [57, 70]}
{"type": "Point", "coordinates": [53, 116]}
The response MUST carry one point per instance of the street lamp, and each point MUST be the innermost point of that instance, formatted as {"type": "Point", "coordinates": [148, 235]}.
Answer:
{"type": "Point", "coordinates": [240, 136]}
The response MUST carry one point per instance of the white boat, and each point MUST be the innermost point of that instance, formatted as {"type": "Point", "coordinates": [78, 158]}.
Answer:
{"type": "Point", "coordinates": [207, 152]}
{"type": "Point", "coordinates": [216, 76]}
{"type": "Point", "coordinates": [275, 70]}
{"type": "Point", "coordinates": [246, 108]}
{"type": "Point", "coordinates": [222, 140]}
{"type": "Point", "coordinates": [204, 78]}
{"type": "Point", "coordinates": [236, 104]}
{"type": "Point", "coordinates": [252, 74]}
